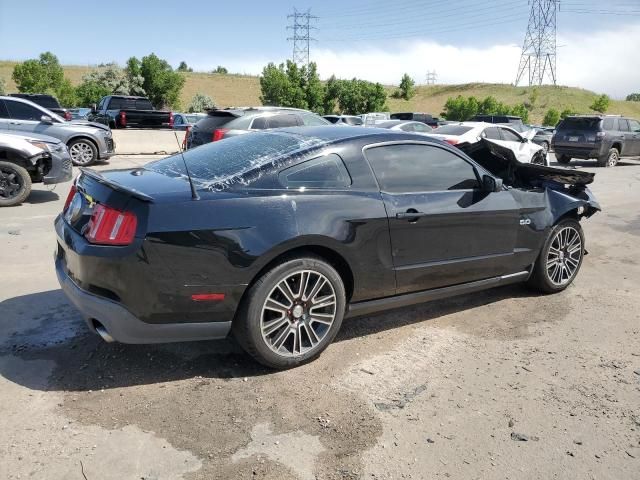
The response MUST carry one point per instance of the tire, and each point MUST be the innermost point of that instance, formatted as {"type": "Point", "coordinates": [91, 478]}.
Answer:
{"type": "Point", "coordinates": [286, 317]}
{"type": "Point", "coordinates": [563, 159]}
{"type": "Point", "coordinates": [539, 158]}
{"type": "Point", "coordinates": [15, 184]}
{"type": "Point", "coordinates": [565, 244]}
{"type": "Point", "coordinates": [610, 159]}
{"type": "Point", "coordinates": [83, 152]}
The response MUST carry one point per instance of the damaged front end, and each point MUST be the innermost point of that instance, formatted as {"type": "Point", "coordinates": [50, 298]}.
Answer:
{"type": "Point", "coordinates": [565, 190]}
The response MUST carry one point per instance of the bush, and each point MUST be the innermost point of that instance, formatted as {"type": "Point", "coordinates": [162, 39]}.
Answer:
{"type": "Point", "coordinates": [633, 97]}
{"type": "Point", "coordinates": [551, 118]}
{"type": "Point", "coordinates": [161, 84]}
{"type": "Point", "coordinates": [221, 70]}
{"type": "Point", "coordinates": [567, 112]}
{"type": "Point", "coordinates": [201, 102]}
{"type": "Point", "coordinates": [462, 109]}
{"type": "Point", "coordinates": [288, 85]}
{"type": "Point", "coordinates": [407, 88]}
{"type": "Point", "coordinates": [39, 76]}
{"type": "Point", "coordinates": [600, 104]}
{"type": "Point", "coordinates": [183, 67]}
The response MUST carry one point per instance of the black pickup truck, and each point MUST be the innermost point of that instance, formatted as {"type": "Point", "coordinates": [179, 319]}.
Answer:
{"type": "Point", "coordinates": [120, 111]}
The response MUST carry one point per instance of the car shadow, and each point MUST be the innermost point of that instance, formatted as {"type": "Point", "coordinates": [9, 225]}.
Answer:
{"type": "Point", "coordinates": [49, 330]}
{"type": "Point", "coordinates": [42, 196]}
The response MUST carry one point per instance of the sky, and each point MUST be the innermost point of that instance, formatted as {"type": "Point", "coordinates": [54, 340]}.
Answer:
{"type": "Point", "coordinates": [377, 40]}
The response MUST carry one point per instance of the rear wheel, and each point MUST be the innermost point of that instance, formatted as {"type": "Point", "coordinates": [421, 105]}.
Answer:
{"type": "Point", "coordinates": [560, 258]}
{"type": "Point", "coordinates": [563, 159]}
{"type": "Point", "coordinates": [291, 313]}
{"type": "Point", "coordinates": [610, 159]}
{"type": "Point", "coordinates": [83, 152]}
{"type": "Point", "coordinates": [15, 184]}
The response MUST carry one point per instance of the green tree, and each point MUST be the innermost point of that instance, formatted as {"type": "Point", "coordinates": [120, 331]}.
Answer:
{"type": "Point", "coordinates": [221, 70]}
{"type": "Point", "coordinates": [38, 76]}
{"type": "Point", "coordinates": [600, 104]}
{"type": "Point", "coordinates": [567, 112]}
{"type": "Point", "coordinates": [161, 84]}
{"type": "Point", "coordinates": [315, 90]}
{"type": "Point", "coordinates": [360, 96]}
{"type": "Point", "coordinates": [66, 94]}
{"type": "Point", "coordinates": [633, 97]}
{"type": "Point", "coordinates": [462, 109]}
{"type": "Point", "coordinates": [183, 67]}
{"type": "Point", "coordinates": [331, 95]}
{"type": "Point", "coordinates": [407, 88]}
{"type": "Point", "coordinates": [201, 102]}
{"type": "Point", "coordinates": [551, 118]}
{"type": "Point", "coordinates": [520, 111]}
{"type": "Point", "coordinates": [135, 80]}
{"type": "Point", "coordinates": [274, 85]}
{"type": "Point", "coordinates": [3, 86]}
{"type": "Point", "coordinates": [90, 92]}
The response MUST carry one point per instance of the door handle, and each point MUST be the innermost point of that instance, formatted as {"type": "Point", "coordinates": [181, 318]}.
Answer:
{"type": "Point", "coordinates": [411, 214]}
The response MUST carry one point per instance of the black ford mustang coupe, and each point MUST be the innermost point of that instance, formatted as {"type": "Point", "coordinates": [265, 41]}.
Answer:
{"type": "Point", "coordinates": [277, 236]}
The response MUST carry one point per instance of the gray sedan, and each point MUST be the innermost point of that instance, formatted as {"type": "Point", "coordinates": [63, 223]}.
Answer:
{"type": "Point", "coordinates": [87, 142]}
{"type": "Point", "coordinates": [405, 126]}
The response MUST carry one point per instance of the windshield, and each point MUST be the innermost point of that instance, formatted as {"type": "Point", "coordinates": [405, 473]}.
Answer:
{"type": "Point", "coordinates": [579, 123]}
{"type": "Point", "coordinates": [452, 130]}
{"type": "Point", "coordinates": [219, 165]}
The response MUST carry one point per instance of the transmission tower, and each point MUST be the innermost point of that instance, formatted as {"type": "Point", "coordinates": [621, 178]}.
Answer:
{"type": "Point", "coordinates": [431, 77]}
{"type": "Point", "coordinates": [301, 38]}
{"type": "Point", "coordinates": [538, 59]}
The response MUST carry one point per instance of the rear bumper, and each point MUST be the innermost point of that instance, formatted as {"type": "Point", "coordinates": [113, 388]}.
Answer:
{"type": "Point", "coordinates": [575, 151]}
{"type": "Point", "coordinates": [122, 326]}
{"type": "Point", "coordinates": [107, 149]}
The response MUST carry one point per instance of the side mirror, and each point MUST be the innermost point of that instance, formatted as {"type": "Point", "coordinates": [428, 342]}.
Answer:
{"type": "Point", "coordinates": [491, 184]}
{"type": "Point", "coordinates": [46, 119]}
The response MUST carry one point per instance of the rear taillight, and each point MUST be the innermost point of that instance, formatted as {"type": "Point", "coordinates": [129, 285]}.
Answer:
{"type": "Point", "coordinates": [111, 227]}
{"type": "Point", "coordinates": [452, 141]}
{"type": "Point", "coordinates": [218, 133]}
{"type": "Point", "coordinates": [70, 195]}
{"type": "Point", "coordinates": [170, 119]}
{"type": "Point", "coordinates": [123, 119]}
{"type": "Point", "coordinates": [68, 116]}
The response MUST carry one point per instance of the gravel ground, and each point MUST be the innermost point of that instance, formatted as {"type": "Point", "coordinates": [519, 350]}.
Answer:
{"type": "Point", "coordinates": [494, 385]}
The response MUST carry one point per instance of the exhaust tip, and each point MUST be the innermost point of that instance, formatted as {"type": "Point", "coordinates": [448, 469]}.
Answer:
{"type": "Point", "coordinates": [100, 330]}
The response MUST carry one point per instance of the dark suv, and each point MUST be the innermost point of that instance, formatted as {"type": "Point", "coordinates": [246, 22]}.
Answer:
{"type": "Point", "coordinates": [233, 121]}
{"type": "Point", "coordinates": [47, 101]}
{"type": "Point", "coordinates": [603, 137]}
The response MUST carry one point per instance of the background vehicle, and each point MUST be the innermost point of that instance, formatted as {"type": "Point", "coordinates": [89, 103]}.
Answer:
{"type": "Point", "coordinates": [370, 119]}
{"type": "Point", "coordinates": [30, 159]}
{"type": "Point", "coordinates": [79, 113]}
{"type": "Point", "coordinates": [426, 118]}
{"type": "Point", "coordinates": [87, 142]}
{"type": "Point", "coordinates": [120, 111]}
{"type": "Point", "coordinates": [471, 132]}
{"type": "Point", "coordinates": [605, 138]}
{"type": "Point", "coordinates": [282, 233]}
{"type": "Point", "coordinates": [220, 124]}
{"type": "Point", "coordinates": [47, 101]}
{"type": "Point", "coordinates": [405, 126]}
{"type": "Point", "coordinates": [503, 119]}
{"type": "Point", "coordinates": [543, 137]}
{"type": "Point", "coordinates": [184, 121]}
{"type": "Point", "coordinates": [351, 120]}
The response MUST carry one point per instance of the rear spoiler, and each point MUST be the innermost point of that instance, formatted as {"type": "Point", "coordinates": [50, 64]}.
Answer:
{"type": "Point", "coordinates": [94, 175]}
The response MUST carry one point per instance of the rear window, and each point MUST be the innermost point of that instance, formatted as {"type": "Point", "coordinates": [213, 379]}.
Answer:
{"type": "Point", "coordinates": [219, 165]}
{"type": "Point", "coordinates": [452, 130]}
{"type": "Point", "coordinates": [130, 104]}
{"type": "Point", "coordinates": [46, 101]}
{"type": "Point", "coordinates": [579, 123]}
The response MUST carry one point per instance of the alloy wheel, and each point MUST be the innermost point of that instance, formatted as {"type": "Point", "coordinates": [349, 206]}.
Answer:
{"type": "Point", "coordinates": [564, 256]}
{"type": "Point", "coordinates": [298, 313]}
{"type": "Point", "coordinates": [81, 153]}
{"type": "Point", "coordinates": [612, 160]}
{"type": "Point", "coordinates": [10, 183]}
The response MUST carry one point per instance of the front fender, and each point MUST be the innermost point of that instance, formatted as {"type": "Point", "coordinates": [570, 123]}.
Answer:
{"type": "Point", "coordinates": [563, 202]}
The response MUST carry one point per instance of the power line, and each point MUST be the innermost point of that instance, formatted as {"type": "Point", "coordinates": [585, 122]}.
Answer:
{"type": "Point", "coordinates": [301, 37]}
{"type": "Point", "coordinates": [538, 58]}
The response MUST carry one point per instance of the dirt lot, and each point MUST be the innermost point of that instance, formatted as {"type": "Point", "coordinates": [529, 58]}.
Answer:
{"type": "Point", "coordinates": [499, 384]}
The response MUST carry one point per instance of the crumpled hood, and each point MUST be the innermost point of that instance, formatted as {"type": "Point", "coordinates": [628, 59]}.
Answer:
{"type": "Point", "coordinates": [86, 123]}
{"type": "Point", "coordinates": [502, 162]}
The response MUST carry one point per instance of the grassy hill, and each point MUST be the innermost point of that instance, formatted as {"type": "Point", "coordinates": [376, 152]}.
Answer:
{"type": "Point", "coordinates": [228, 90]}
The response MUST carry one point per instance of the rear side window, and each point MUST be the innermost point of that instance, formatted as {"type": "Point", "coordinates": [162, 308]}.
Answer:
{"type": "Point", "coordinates": [623, 125]}
{"type": "Point", "coordinates": [414, 168]}
{"type": "Point", "coordinates": [22, 111]}
{"type": "Point", "coordinates": [608, 124]}
{"type": "Point", "coordinates": [311, 120]}
{"type": "Point", "coordinates": [580, 123]}
{"type": "Point", "coordinates": [4, 113]}
{"type": "Point", "coordinates": [259, 123]}
{"type": "Point", "coordinates": [281, 121]}
{"type": "Point", "coordinates": [353, 121]}
{"type": "Point", "coordinates": [492, 133]}
{"type": "Point", "coordinates": [322, 172]}
{"type": "Point", "coordinates": [509, 136]}
{"type": "Point", "coordinates": [634, 125]}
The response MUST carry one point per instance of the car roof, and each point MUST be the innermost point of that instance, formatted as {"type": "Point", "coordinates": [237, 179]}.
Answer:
{"type": "Point", "coordinates": [336, 133]}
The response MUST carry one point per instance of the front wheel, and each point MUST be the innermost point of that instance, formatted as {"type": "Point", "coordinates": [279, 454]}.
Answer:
{"type": "Point", "coordinates": [15, 184]}
{"type": "Point", "coordinates": [291, 313]}
{"type": "Point", "coordinates": [83, 152]}
{"type": "Point", "coordinates": [560, 258]}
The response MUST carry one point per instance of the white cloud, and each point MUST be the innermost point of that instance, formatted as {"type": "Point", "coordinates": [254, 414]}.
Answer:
{"type": "Point", "coordinates": [602, 61]}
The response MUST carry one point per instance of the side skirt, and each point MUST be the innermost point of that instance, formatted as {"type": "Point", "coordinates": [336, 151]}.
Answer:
{"type": "Point", "coordinates": [388, 303]}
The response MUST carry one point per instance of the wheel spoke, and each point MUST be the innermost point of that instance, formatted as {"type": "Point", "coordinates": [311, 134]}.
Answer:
{"type": "Point", "coordinates": [286, 291]}
{"type": "Point", "coordinates": [276, 306]}
{"type": "Point", "coordinates": [278, 342]}
{"type": "Point", "coordinates": [274, 325]}
{"type": "Point", "coordinates": [316, 288]}
{"type": "Point", "coordinates": [313, 338]}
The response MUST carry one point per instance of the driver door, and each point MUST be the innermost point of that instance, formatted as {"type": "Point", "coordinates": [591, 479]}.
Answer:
{"type": "Point", "coordinates": [444, 229]}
